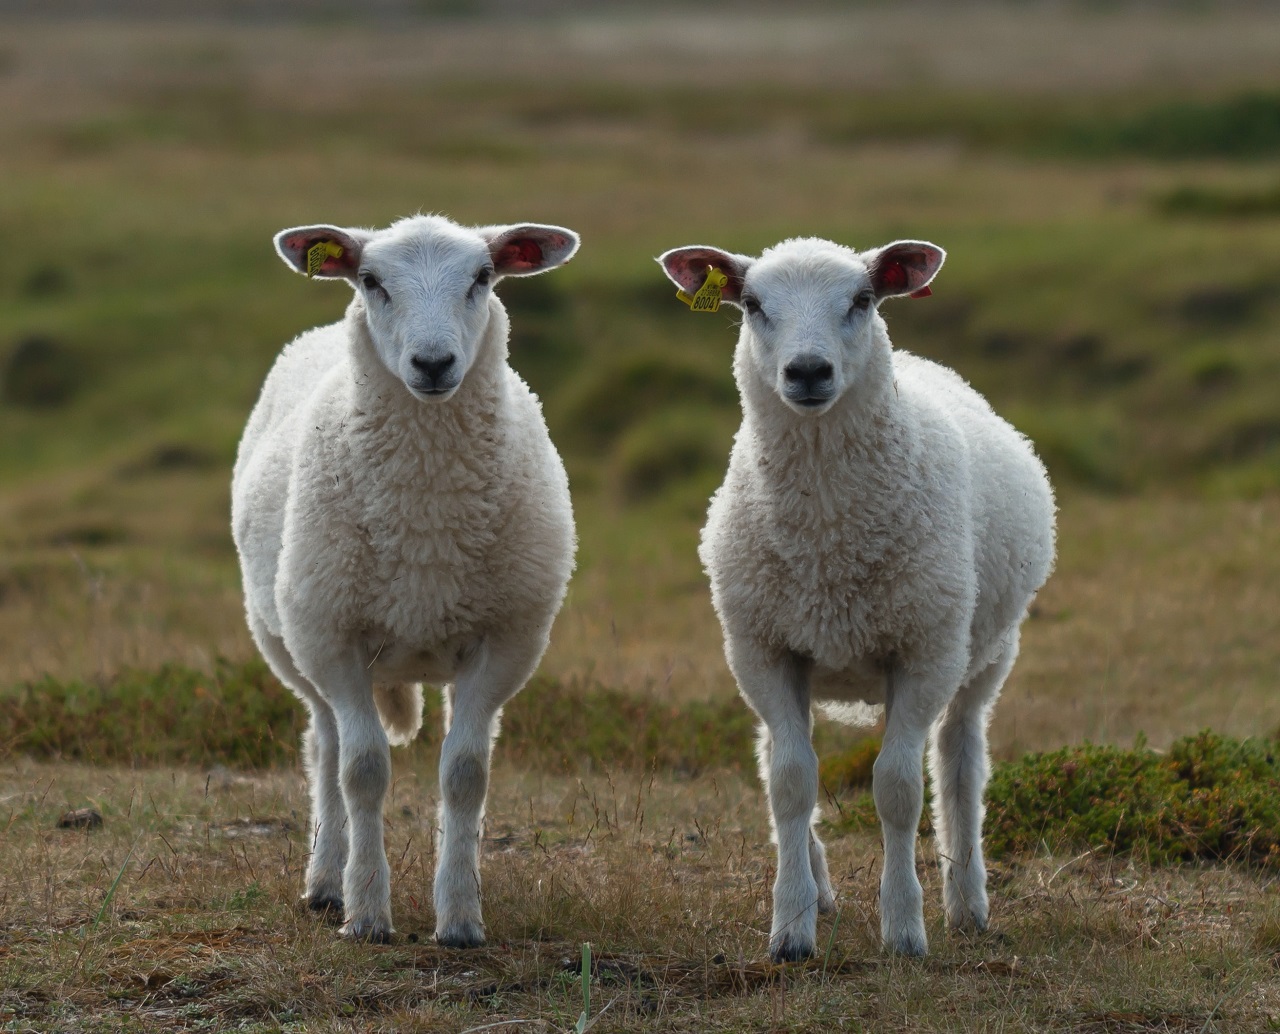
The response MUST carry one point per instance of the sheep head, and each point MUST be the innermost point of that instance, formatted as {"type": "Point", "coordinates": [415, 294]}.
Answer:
{"type": "Point", "coordinates": [810, 308]}
{"type": "Point", "coordinates": [426, 285]}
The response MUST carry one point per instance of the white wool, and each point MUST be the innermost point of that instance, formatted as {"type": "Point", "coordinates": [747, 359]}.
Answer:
{"type": "Point", "coordinates": [401, 516]}
{"type": "Point", "coordinates": [878, 538]}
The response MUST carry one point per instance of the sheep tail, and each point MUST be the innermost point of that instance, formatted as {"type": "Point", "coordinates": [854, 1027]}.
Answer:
{"type": "Point", "coordinates": [400, 709]}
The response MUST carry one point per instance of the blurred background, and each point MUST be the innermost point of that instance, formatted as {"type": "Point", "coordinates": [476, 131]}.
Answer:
{"type": "Point", "coordinates": [1105, 177]}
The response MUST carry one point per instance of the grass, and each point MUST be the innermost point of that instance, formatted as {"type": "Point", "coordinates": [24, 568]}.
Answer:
{"type": "Point", "coordinates": [667, 880]}
{"type": "Point", "coordinates": [1111, 286]}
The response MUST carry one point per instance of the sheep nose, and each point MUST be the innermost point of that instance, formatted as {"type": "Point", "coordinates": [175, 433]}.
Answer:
{"type": "Point", "coordinates": [433, 368]}
{"type": "Point", "coordinates": [809, 373]}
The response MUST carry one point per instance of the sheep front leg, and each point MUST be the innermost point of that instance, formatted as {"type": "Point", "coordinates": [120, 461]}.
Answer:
{"type": "Point", "coordinates": [472, 710]}
{"type": "Point", "coordinates": [911, 704]}
{"type": "Point", "coordinates": [958, 761]}
{"type": "Point", "coordinates": [364, 773]}
{"type": "Point", "coordinates": [778, 690]}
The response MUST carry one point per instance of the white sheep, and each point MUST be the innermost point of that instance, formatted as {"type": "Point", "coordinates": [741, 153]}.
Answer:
{"type": "Point", "coordinates": [878, 538]}
{"type": "Point", "coordinates": [402, 516]}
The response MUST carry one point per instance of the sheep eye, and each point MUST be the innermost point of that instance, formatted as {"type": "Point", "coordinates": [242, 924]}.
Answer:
{"type": "Point", "coordinates": [484, 276]}
{"type": "Point", "coordinates": [752, 304]}
{"type": "Point", "coordinates": [861, 303]}
{"type": "Point", "coordinates": [370, 282]}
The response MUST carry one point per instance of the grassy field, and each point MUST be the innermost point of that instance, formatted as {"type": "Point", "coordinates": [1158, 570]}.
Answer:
{"type": "Point", "coordinates": [1106, 180]}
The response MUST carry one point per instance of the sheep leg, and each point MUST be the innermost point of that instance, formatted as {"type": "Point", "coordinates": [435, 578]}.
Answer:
{"type": "Point", "coordinates": [898, 788]}
{"type": "Point", "coordinates": [328, 826]}
{"type": "Point", "coordinates": [472, 710]}
{"type": "Point", "coordinates": [778, 690]}
{"type": "Point", "coordinates": [817, 852]}
{"type": "Point", "coordinates": [958, 762]}
{"type": "Point", "coordinates": [364, 773]}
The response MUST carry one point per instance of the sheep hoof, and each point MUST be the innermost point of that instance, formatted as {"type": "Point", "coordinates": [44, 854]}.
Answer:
{"type": "Point", "coordinates": [909, 945]}
{"type": "Point", "coordinates": [326, 904]}
{"type": "Point", "coordinates": [969, 925]}
{"type": "Point", "coordinates": [369, 930]}
{"type": "Point", "coordinates": [826, 904]}
{"type": "Point", "coordinates": [461, 935]}
{"type": "Point", "coordinates": [790, 949]}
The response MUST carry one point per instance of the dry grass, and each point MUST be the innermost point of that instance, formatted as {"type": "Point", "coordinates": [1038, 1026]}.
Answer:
{"type": "Point", "coordinates": [668, 881]}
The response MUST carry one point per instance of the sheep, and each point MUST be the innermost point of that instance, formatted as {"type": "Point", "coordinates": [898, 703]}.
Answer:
{"type": "Point", "coordinates": [877, 540]}
{"type": "Point", "coordinates": [402, 516]}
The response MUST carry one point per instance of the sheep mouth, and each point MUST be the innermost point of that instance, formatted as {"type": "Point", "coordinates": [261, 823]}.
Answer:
{"type": "Point", "coordinates": [809, 403]}
{"type": "Point", "coordinates": [434, 394]}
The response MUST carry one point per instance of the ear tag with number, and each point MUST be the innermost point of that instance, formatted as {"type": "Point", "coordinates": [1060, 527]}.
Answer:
{"type": "Point", "coordinates": [318, 252]}
{"type": "Point", "coordinates": [708, 297]}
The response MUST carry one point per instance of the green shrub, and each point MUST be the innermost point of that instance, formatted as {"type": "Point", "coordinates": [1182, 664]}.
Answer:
{"type": "Point", "coordinates": [238, 715]}
{"type": "Point", "coordinates": [1208, 797]}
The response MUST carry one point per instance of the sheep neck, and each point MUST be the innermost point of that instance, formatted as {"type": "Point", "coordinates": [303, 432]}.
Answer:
{"type": "Point", "coordinates": [391, 417]}
{"type": "Point", "coordinates": [832, 462]}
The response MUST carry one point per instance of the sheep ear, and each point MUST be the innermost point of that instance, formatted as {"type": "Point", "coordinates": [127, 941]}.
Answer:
{"type": "Point", "coordinates": [529, 248]}
{"type": "Point", "coordinates": [324, 251]}
{"type": "Point", "coordinates": [687, 268]}
{"type": "Point", "coordinates": [904, 267]}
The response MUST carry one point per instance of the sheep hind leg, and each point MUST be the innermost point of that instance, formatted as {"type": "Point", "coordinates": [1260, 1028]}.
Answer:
{"type": "Point", "coordinates": [327, 829]}
{"type": "Point", "coordinates": [958, 763]}
{"type": "Point", "coordinates": [473, 706]}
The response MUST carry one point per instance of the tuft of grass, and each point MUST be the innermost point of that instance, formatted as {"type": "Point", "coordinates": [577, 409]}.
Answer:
{"type": "Point", "coordinates": [236, 715]}
{"type": "Point", "coordinates": [1209, 797]}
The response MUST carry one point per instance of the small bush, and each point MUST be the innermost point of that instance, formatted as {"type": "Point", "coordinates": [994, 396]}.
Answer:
{"type": "Point", "coordinates": [1209, 797]}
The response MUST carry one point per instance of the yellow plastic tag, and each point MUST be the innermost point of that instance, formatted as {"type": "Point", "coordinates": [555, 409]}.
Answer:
{"type": "Point", "coordinates": [318, 252]}
{"type": "Point", "coordinates": [708, 297]}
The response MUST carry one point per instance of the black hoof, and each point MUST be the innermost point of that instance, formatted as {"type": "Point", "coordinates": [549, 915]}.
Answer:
{"type": "Point", "coordinates": [327, 908]}
{"type": "Point", "coordinates": [460, 939]}
{"type": "Point", "coordinates": [789, 950]}
{"type": "Point", "coordinates": [373, 934]}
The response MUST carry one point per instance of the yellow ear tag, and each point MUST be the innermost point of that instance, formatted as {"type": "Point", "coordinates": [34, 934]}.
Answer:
{"type": "Point", "coordinates": [318, 252]}
{"type": "Point", "coordinates": [708, 297]}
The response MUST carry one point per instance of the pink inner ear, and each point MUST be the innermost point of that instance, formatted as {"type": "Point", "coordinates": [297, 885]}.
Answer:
{"type": "Point", "coordinates": [299, 243]}
{"type": "Point", "coordinates": [522, 253]}
{"type": "Point", "coordinates": [893, 277]}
